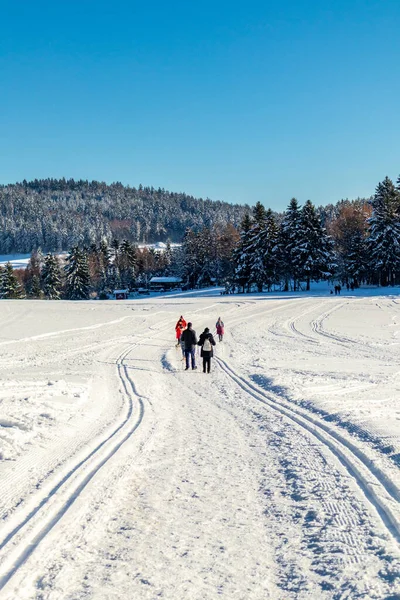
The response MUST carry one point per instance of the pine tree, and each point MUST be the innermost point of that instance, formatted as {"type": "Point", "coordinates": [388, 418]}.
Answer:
{"type": "Point", "coordinates": [77, 275]}
{"type": "Point", "coordinates": [51, 277]}
{"type": "Point", "coordinates": [127, 264]}
{"type": "Point", "coordinates": [104, 264]}
{"type": "Point", "coordinates": [36, 289]}
{"type": "Point", "coordinates": [33, 273]}
{"type": "Point", "coordinates": [356, 260]}
{"type": "Point", "coordinates": [384, 233]}
{"type": "Point", "coordinates": [206, 256]}
{"type": "Point", "coordinates": [256, 246]}
{"type": "Point", "coordinates": [192, 253]}
{"type": "Point", "coordinates": [315, 248]}
{"type": "Point", "coordinates": [289, 243]}
{"type": "Point", "coordinates": [269, 243]}
{"type": "Point", "coordinates": [10, 286]}
{"type": "Point", "coordinates": [241, 257]}
{"type": "Point", "coordinates": [168, 259]}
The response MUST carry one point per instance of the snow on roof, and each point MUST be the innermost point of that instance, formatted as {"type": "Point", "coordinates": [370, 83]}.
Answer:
{"type": "Point", "coordinates": [121, 291]}
{"type": "Point", "coordinates": [165, 280]}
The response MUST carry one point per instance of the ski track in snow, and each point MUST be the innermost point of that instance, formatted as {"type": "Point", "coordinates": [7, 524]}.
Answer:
{"type": "Point", "coordinates": [276, 476]}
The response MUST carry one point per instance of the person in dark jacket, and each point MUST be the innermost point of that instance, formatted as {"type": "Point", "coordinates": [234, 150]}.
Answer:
{"type": "Point", "coordinates": [189, 339]}
{"type": "Point", "coordinates": [206, 341]}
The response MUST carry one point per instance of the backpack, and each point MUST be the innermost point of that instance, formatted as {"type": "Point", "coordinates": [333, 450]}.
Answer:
{"type": "Point", "coordinates": [207, 347]}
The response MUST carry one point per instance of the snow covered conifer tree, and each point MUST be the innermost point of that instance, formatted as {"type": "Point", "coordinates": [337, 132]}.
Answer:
{"type": "Point", "coordinates": [36, 289]}
{"type": "Point", "coordinates": [289, 242]}
{"type": "Point", "coordinates": [384, 233]}
{"type": "Point", "coordinates": [77, 275]}
{"type": "Point", "coordinates": [10, 287]}
{"type": "Point", "coordinates": [241, 255]}
{"type": "Point", "coordinates": [356, 262]}
{"type": "Point", "coordinates": [269, 243]}
{"type": "Point", "coordinates": [104, 264]}
{"type": "Point", "coordinates": [33, 274]}
{"type": "Point", "coordinates": [192, 257]}
{"type": "Point", "coordinates": [51, 277]}
{"type": "Point", "coordinates": [315, 248]}
{"type": "Point", "coordinates": [206, 256]}
{"type": "Point", "coordinates": [256, 246]}
{"type": "Point", "coordinates": [127, 264]}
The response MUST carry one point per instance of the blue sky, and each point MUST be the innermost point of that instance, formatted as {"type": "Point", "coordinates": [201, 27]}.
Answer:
{"type": "Point", "coordinates": [237, 101]}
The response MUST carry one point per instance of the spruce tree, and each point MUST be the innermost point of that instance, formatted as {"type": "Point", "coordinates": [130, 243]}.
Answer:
{"type": "Point", "coordinates": [315, 248]}
{"type": "Point", "coordinates": [10, 286]}
{"type": "Point", "coordinates": [356, 260]}
{"type": "Point", "coordinates": [104, 264]}
{"type": "Point", "coordinates": [192, 253]}
{"type": "Point", "coordinates": [241, 257]}
{"type": "Point", "coordinates": [33, 274]}
{"type": "Point", "coordinates": [256, 246]}
{"type": "Point", "coordinates": [127, 264]}
{"type": "Point", "coordinates": [51, 277]}
{"type": "Point", "coordinates": [77, 275]}
{"type": "Point", "coordinates": [269, 243]}
{"type": "Point", "coordinates": [384, 233]}
{"type": "Point", "coordinates": [289, 245]}
{"type": "Point", "coordinates": [36, 289]}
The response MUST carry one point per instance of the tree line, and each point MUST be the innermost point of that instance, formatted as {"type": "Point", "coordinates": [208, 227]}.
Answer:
{"type": "Point", "coordinates": [98, 270]}
{"type": "Point", "coordinates": [357, 242]}
{"type": "Point", "coordinates": [353, 242]}
{"type": "Point", "coordinates": [57, 214]}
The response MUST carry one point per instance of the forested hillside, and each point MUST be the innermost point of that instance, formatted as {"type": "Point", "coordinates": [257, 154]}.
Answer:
{"type": "Point", "coordinates": [58, 214]}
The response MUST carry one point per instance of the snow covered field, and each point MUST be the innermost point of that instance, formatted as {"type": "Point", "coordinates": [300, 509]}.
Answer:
{"type": "Point", "coordinates": [276, 476]}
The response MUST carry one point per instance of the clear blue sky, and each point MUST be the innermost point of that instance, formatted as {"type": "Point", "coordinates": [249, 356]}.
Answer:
{"type": "Point", "coordinates": [238, 101]}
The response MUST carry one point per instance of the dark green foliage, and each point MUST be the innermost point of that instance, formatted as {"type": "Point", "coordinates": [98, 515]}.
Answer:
{"type": "Point", "coordinates": [51, 277]}
{"type": "Point", "coordinates": [242, 257]}
{"type": "Point", "coordinates": [315, 249]}
{"type": "Point", "coordinates": [384, 230]}
{"type": "Point", "coordinates": [77, 275]}
{"type": "Point", "coordinates": [9, 285]}
{"type": "Point", "coordinates": [289, 239]}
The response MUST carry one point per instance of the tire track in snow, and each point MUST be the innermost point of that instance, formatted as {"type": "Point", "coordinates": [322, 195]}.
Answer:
{"type": "Point", "coordinates": [368, 350]}
{"type": "Point", "coordinates": [45, 524]}
{"type": "Point", "coordinates": [376, 487]}
{"type": "Point", "coordinates": [291, 324]}
{"type": "Point", "coordinates": [317, 326]}
{"type": "Point", "coordinates": [61, 332]}
{"type": "Point", "coordinates": [24, 548]}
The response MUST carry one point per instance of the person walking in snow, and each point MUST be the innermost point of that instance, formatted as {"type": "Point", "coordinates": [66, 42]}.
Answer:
{"type": "Point", "coordinates": [206, 341]}
{"type": "Point", "coordinates": [220, 329]}
{"type": "Point", "coordinates": [179, 327]}
{"type": "Point", "coordinates": [189, 339]}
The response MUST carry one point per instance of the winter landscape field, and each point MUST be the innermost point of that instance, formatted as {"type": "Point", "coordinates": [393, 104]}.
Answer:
{"type": "Point", "coordinates": [276, 476]}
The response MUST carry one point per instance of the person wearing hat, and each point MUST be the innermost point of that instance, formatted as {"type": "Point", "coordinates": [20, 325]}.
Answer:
{"type": "Point", "coordinates": [179, 327]}
{"type": "Point", "coordinates": [189, 339]}
{"type": "Point", "coordinates": [206, 341]}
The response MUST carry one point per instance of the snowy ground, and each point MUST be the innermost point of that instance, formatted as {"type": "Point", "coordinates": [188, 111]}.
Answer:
{"type": "Point", "coordinates": [276, 476]}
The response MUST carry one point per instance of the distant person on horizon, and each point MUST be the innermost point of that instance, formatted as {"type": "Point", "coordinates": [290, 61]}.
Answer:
{"type": "Point", "coordinates": [220, 329]}
{"type": "Point", "coordinates": [189, 339]}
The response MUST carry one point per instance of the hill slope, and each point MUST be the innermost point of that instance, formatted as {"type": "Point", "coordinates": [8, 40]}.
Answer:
{"type": "Point", "coordinates": [55, 214]}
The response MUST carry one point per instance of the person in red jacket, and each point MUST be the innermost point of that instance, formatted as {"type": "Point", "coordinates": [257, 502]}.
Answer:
{"type": "Point", "coordinates": [179, 327]}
